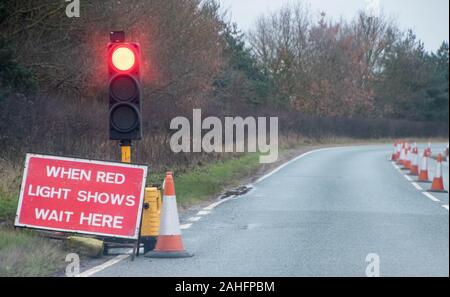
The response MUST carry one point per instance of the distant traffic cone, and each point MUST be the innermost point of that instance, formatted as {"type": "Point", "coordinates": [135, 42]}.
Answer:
{"type": "Point", "coordinates": [438, 181]}
{"type": "Point", "coordinates": [423, 174]}
{"type": "Point", "coordinates": [402, 156]}
{"type": "Point", "coordinates": [415, 162]}
{"type": "Point", "coordinates": [394, 152]}
{"type": "Point", "coordinates": [407, 161]}
{"type": "Point", "coordinates": [169, 243]}
{"type": "Point", "coordinates": [399, 150]}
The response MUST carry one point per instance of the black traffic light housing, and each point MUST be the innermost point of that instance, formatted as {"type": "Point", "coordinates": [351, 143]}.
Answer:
{"type": "Point", "coordinates": [125, 91]}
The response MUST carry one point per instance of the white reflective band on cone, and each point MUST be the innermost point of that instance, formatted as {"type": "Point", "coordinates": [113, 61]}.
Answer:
{"type": "Point", "coordinates": [170, 222]}
{"type": "Point", "coordinates": [424, 163]}
{"type": "Point", "coordinates": [439, 170]}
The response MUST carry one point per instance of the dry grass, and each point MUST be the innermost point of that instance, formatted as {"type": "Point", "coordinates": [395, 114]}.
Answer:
{"type": "Point", "coordinates": [24, 254]}
{"type": "Point", "coordinates": [10, 179]}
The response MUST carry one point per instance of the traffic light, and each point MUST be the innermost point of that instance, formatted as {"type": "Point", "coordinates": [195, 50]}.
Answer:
{"type": "Point", "coordinates": [125, 118]}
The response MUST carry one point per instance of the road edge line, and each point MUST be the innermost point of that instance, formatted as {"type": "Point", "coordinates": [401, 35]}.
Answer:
{"type": "Point", "coordinates": [107, 264]}
{"type": "Point", "coordinates": [431, 197]}
{"type": "Point", "coordinates": [264, 177]}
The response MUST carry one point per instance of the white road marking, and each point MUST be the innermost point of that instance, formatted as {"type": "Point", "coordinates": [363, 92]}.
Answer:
{"type": "Point", "coordinates": [215, 204]}
{"type": "Point", "coordinates": [396, 166]}
{"type": "Point", "coordinates": [203, 213]}
{"type": "Point", "coordinates": [431, 197]}
{"type": "Point", "coordinates": [417, 186]}
{"type": "Point", "coordinates": [105, 265]}
{"type": "Point", "coordinates": [194, 219]}
{"type": "Point", "coordinates": [408, 178]}
{"type": "Point", "coordinates": [294, 160]}
{"type": "Point", "coordinates": [185, 226]}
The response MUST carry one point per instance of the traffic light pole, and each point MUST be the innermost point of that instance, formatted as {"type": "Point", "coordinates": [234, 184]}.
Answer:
{"type": "Point", "coordinates": [125, 146]}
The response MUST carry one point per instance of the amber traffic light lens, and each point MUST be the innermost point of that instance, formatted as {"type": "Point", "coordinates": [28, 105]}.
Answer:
{"type": "Point", "coordinates": [124, 88]}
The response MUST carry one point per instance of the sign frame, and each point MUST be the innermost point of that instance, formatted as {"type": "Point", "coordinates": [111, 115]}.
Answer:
{"type": "Point", "coordinates": [136, 235]}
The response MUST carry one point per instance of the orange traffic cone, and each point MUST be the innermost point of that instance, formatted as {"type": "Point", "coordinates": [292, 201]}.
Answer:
{"type": "Point", "coordinates": [415, 162]}
{"type": "Point", "coordinates": [401, 157]}
{"type": "Point", "coordinates": [438, 181]}
{"type": "Point", "coordinates": [423, 174]}
{"type": "Point", "coordinates": [407, 161]}
{"type": "Point", "coordinates": [399, 151]}
{"type": "Point", "coordinates": [394, 152]}
{"type": "Point", "coordinates": [169, 243]}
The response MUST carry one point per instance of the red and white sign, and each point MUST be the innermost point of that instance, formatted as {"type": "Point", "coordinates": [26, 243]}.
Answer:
{"type": "Point", "coordinates": [82, 196]}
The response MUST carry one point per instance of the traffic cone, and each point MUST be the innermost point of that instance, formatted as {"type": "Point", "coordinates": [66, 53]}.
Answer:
{"type": "Point", "coordinates": [169, 243]}
{"type": "Point", "coordinates": [399, 151]}
{"type": "Point", "coordinates": [415, 162]}
{"type": "Point", "coordinates": [402, 156]}
{"type": "Point", "coordinates": [438, 181]}
{"type": "Point", "coordinates": [407, 161]}
{"type": "Point", "coordinates": [394, 153]}
{"type": "Point", "coordinates": [423, 174]}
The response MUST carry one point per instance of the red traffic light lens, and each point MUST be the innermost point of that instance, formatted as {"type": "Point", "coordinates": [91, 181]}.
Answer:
{"type": "Point", "coordinates": [123, 58]}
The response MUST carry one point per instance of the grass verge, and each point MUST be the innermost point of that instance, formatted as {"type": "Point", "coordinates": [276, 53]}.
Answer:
{"type": "Point", "coordinates": [8, 206]}
{"type": "Point", "coordinates": [22, 253]}
{"type": "Point", "coordinates": [199, 184]}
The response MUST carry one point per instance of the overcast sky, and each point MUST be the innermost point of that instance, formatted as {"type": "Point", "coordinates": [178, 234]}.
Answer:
{"type": "Point", "coordinates": [428, 18]}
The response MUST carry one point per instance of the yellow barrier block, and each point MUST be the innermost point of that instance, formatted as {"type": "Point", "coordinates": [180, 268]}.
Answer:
{"type": "Point", "coordinates": [151, 215]}
{"type": "Point", "coordinates": [85, 246]}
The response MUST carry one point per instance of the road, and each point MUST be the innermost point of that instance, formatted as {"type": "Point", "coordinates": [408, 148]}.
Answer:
{"type": "Point", "coordinates": [320, 215]}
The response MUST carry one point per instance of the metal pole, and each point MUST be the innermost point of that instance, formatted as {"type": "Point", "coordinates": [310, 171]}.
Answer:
{"type": "Point", "coordinates": [125, 146]}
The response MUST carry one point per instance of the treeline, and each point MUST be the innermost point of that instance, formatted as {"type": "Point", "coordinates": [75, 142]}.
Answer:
{"type": "Point", "coordinates": [364, 67]}
{"type": "Point", "coordinates": [360, 78]}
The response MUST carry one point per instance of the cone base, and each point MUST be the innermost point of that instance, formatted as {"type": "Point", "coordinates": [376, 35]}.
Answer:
{"type": "Point", "coordinates": [438, 191]}
{"type": "Point", "coordinates": [424, 181]}
{"type": "Point", "coordinates": [438, 186]}
{"type": "Point", "coordinates": [168, 255]}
